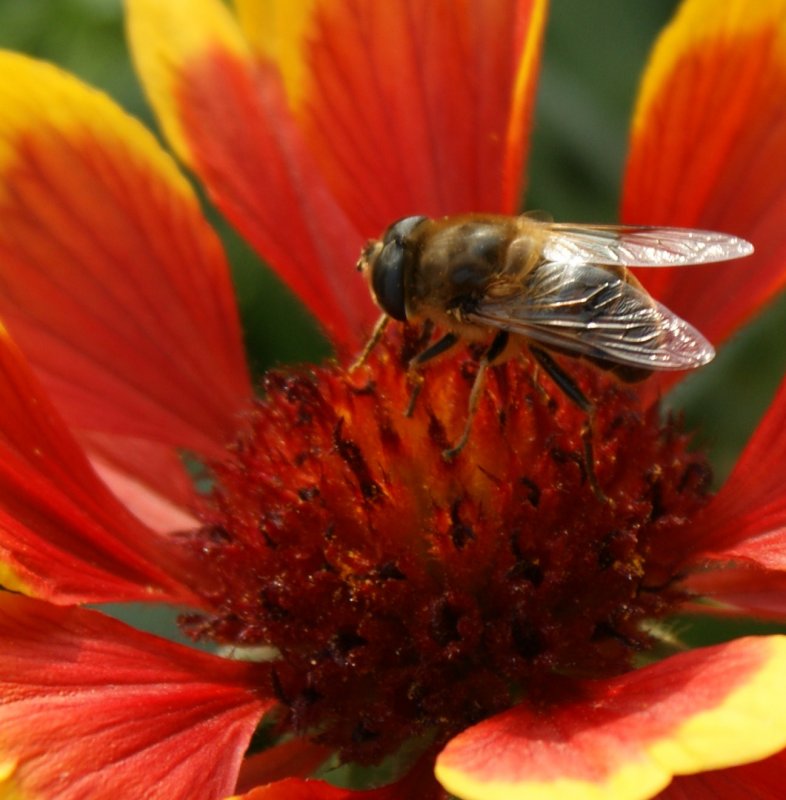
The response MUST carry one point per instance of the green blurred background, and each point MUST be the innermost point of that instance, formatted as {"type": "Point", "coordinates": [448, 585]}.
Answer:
{"type": "Point", "coordinates": [594, 55]}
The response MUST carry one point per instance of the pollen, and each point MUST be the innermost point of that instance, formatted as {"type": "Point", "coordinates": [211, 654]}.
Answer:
{"type": "Point", "coordinates": [400, 594]}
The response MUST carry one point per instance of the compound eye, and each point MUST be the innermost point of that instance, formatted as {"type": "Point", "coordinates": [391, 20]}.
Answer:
{"type": "Point", "coordinates": [387, 279]}
{"type": "Point", "coordinates": [402, 228]}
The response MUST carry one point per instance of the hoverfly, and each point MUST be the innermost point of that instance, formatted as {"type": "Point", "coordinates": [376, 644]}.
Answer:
{"type": "Point", "coordinates": [518, 281]}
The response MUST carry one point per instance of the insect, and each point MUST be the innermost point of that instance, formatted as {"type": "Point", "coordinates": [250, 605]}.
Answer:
{"type": "Point", "coordinates": [515, 281]}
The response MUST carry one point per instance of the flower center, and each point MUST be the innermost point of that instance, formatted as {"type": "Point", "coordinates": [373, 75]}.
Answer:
{"type": "Point", "coordinates": [402, 594]}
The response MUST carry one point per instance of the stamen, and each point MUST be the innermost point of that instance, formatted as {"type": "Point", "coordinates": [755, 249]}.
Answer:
{"type": "Point", "coordinates": [404, 595]}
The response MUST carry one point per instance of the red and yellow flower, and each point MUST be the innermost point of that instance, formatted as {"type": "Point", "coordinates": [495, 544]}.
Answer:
{"type": "Point", "coordinates": [481, 620]}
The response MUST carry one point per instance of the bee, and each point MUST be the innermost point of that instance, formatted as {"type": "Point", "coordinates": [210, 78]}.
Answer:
{"type": "Point", "coordinates": [510, 282]}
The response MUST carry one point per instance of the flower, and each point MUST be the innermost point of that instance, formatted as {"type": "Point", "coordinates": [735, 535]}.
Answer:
{"type": "Point", "coordinates": [484, 614]}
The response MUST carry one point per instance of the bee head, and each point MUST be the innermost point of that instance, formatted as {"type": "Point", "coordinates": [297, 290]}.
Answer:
{"type": "Point", "coordinates": [386, 262]}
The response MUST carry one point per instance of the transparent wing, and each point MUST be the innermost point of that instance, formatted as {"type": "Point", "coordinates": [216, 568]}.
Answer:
{"type": "Point", "coordinates": [639, 247]}
{"type": "Point", "coordinates": [590, 310]}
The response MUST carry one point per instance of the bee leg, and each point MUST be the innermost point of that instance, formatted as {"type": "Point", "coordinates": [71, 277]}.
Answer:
{"type": "Point", "coordinates": [562, 379]}
{"type": "Point", "coordinates": [544, 395]}
{"type": "Point", "coordinates": [432, 351]}
{"type": "Point", "coordinates": [494, 351]}
{"type": "Point", "coordinates": [425, 335]}
{"type": "Point", "coordinates": [376, 335]}
{"type": "Point", "coordinates": [573, 393]}
{"type": "Point", "coordinates": [416, 379]}
{"type": "Point", "coordinates": [589, 460]}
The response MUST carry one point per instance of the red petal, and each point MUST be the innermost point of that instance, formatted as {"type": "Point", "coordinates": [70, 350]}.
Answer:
{"type": "Point", "coordinates": [625, 737]}
{"type": "Point", "coordinates": [148, 479]}
{"type": "Point", "coordinates": [110, 279]}
{"type": "Point", "coordinates": [760, 781]}
{"type": "Point", "coordinates": [417, 107]}
{"type": "Point", "coordinates": [418, 783]}
{"type": "Point", "coordinates": [295, 758]}
{"type": "Point", "coordinates": [298, 789]}
{"type": "Point", "coordinates": [63, 535]}
{"type": "Point", "coordinates": [387, 147]}
{"type": "Point", "coordinates": [739, 590]}
{"type": "Point", "coordinates": [90, 708]}
{"type": "Point", "coordinates": [747, 518]}
{"type": "Point", "coordinates": [228, 118]}
{"type": "Point", "coordinates": [708, 150]}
